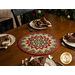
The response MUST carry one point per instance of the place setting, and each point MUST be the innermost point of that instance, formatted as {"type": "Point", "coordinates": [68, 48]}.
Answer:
{"type": "Point", "coordinates": [68, 40]}
{"type": "Point", "coordinates": [65, 58]}
{"type": "Point", "coordinates": [6, 40]}
{"type": "Point", "coordinates": [38, 61]}
{"type": "Point", "coordinates": [38, 24]}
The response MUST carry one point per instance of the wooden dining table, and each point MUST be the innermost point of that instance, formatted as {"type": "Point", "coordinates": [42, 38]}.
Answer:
{"type": "Point", "coordinates": [13, 56]}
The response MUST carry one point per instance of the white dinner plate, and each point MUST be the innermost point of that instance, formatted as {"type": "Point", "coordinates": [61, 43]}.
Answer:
{"type": "Point", "coordinates": [13, 39]}
{"type": "Point", "coordinates": [69, 43]}
{"type": "Point", "coordinates": [32, 24]}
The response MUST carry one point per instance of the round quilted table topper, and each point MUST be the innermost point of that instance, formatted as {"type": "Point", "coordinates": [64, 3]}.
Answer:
{"type": "Point", "coordinates": [38, 43]}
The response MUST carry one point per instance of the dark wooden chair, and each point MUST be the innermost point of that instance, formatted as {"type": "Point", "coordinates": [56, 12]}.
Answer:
{"type": "Point", "coordinates": [25, 15]}
{"type": "Point", "coordinates": [6, 24]}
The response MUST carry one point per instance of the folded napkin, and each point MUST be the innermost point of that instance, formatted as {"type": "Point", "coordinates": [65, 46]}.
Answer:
{"type": "Point", "coordinates": [3, 38]}
{"type": "Point", "coordinates": [70, 37]}
{"type": "Point", "coordinates": [4, 41]}
{"type": "Point", "coordinates": [42, 23]}
{"type": "Point", "coordinates": [47, 22]}
{"type": "Point", "coordinates": [34, 61]}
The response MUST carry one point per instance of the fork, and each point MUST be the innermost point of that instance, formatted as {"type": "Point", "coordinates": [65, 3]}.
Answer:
{"type": "Point", "coordinates": [30, 29]}
{"type": "Point", "coordinates": [51, 57]}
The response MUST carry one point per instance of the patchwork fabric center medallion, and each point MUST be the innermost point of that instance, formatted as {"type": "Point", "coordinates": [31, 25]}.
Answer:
{"type": "Point", "coordinates": [38, 43]}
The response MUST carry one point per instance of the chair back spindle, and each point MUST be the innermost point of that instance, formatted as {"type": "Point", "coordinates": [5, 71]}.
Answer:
{"type": "Point", "coordinates": [23, 15]}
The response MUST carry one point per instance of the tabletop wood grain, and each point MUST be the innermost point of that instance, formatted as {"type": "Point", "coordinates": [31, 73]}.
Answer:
{"type": "Point", "coordinates": [60, 26]}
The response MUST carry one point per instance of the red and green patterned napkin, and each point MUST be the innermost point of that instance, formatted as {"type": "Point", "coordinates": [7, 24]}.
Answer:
{"type": "Point", "coordinates": [35, 61]}
{"type": "Point", "coordinates": [70, 37]}
{"type": "Point", "coordinates": [3, 38]}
